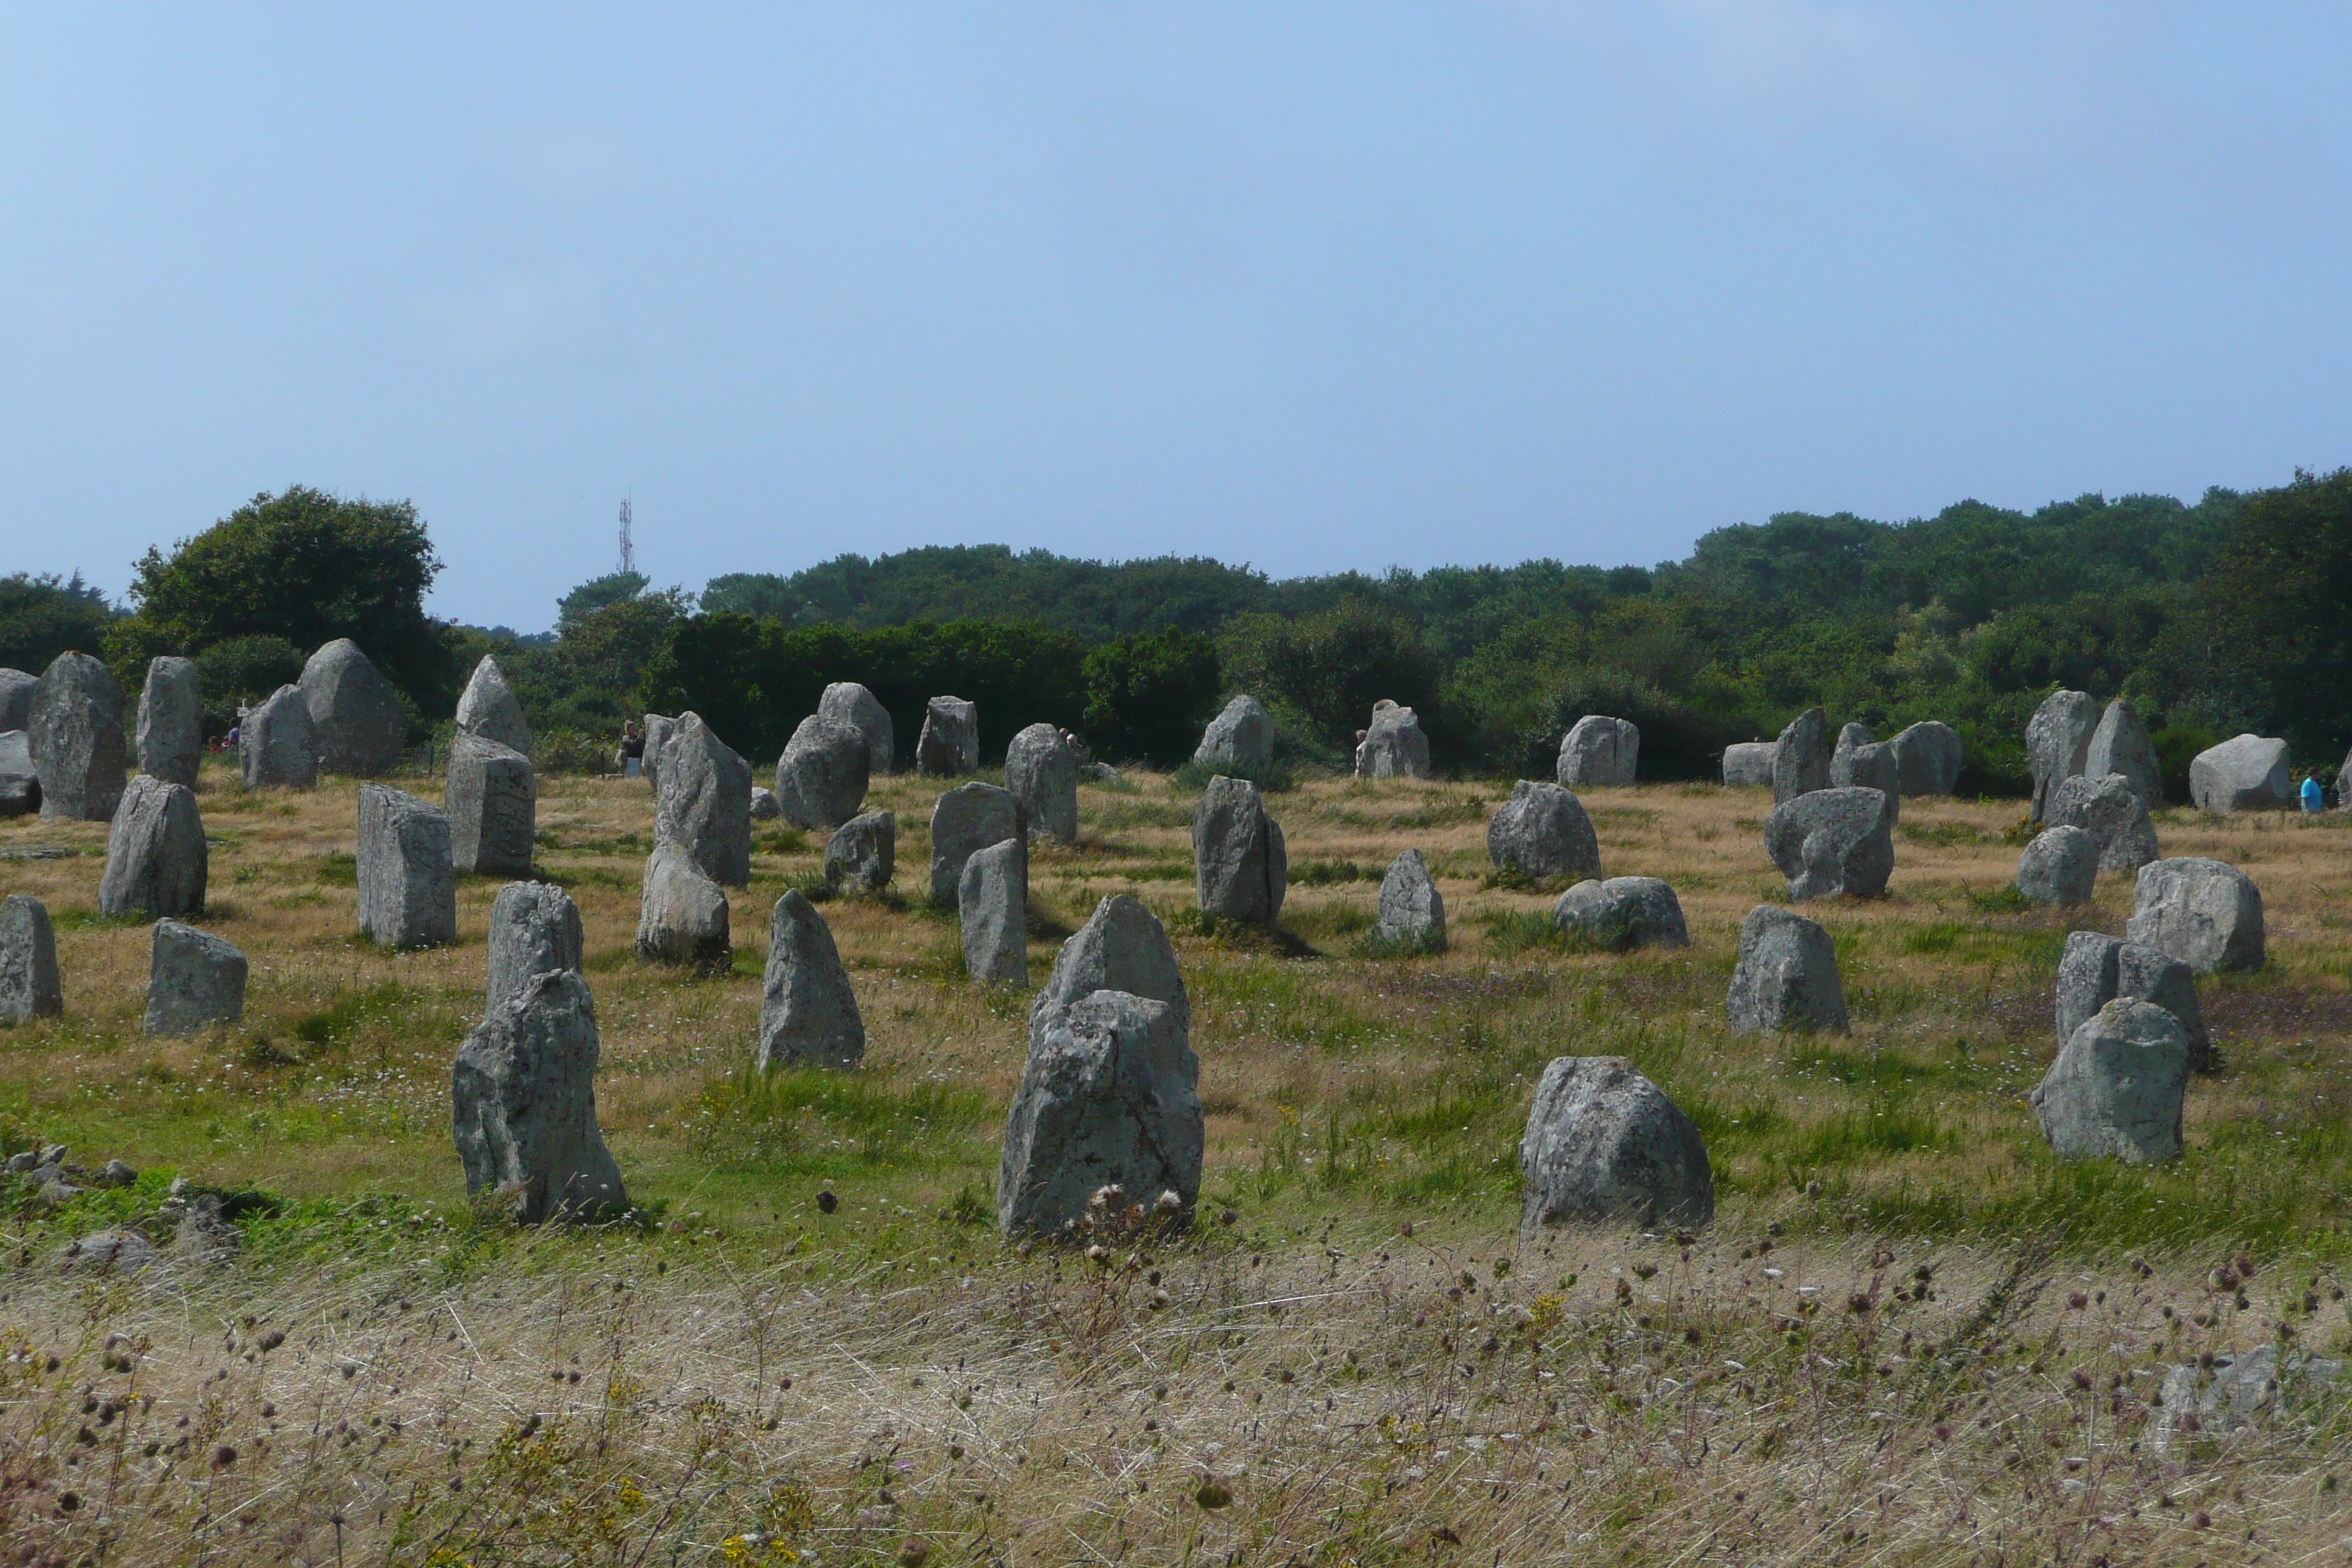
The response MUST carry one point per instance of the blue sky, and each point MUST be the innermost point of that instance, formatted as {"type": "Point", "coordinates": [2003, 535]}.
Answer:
{"type": "Point", "coordinates": [1306, 286]}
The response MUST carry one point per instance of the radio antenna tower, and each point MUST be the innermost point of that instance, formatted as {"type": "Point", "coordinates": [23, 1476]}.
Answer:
{"type": "Point", "coordinates": [628, 552]}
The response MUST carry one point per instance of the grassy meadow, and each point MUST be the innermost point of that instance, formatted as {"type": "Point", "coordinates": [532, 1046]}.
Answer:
{"type": "Point", "coordinates": [1910, 1336]}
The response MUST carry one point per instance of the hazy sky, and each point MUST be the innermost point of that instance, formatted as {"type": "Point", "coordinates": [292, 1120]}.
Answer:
{"type": "Point", "coordinates": [1305, 286]}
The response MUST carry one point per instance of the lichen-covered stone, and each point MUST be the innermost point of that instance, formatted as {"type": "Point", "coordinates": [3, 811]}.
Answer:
{"type": "Point", "coordinates": [195, 979]}
{"type": "Point", "coordinates": [408, 888]}
{"type": "Point", "coordinates": [2120, 745]}
{"type": "Point", "coordinates": [2097, 969]}
{"type": "Point", "coordinates": [861, 855]}
{"type": "Point", "coordinates": [1543, 832]}
{"type": "Point", "coordinates": [1862, 762]}
{"type": "Point", "coordinates": [2207, 913]}
{"type": "Point", "coordinates": [1622, 912]}
{"type": "Point", "coordinates": [1122, 947]}
{"type": "Point", "coordinates": [1786, 977]}
{"type": "Point", "coordinates": [2114, 1091]}
{"type": "Point", "coordinates": [822, 778]}
{"type": "Point", "coordinates": [170, 722]}
{"type": "Point", "coordinates": [523, 1093]}
{"type": "Point", "coordinates": [654, 731]}
{"type": "Point", "coordinates": [17, 688]}
{"type": "Point", "coordinates": [1800, 757]}
{"type": "Point", "coordinates": [1239, 862]}
{"type": "Point", "coordinates": [849, 703]}
{"type": "Point", "coordinates": [534, 930]}
{"type": "Point", "coordinates": [1748, 765]}
{"type": "Point", "coordinates": [75, 735]}
{"type": "Point", "coordinates": [28, 963]}
{"type": "Point", "coordinates": [1109, 1097]}
{"type": "Point", "coordinates": [1241, 737]}
{"type": "Point", "coordinates": [2112, 813]}
{"type": "Point", "coordinates": [948, 745]}
{"type": "Point", "coordinates": [1927, 758]}
{"type": "Point", "coordinates": [1394, 746]}
{"type": "Point", "coordinates": [1412, 911]}
{"type": "Point", "coordinates": [2245, 772]}
{"type": "Point", "coordinates": [992, 908]}
{"type": "Point", "coordinates": [965, 820]}
{"type": "Point", "coordinates": [2057, 743]}
{"type": "Point", "coordinates": [2060, 866]}
{"type": "Point", "coordinates": [1042, 771]}
{"type": "Point", "coordinates": [703, 801]}
{"type": "Point", "coordinates": [275, 745]}
{"type": "Point", "coordinates": [1605, 1145]}
{"type": "Point", "coordinates": [20, 784]}
{"type": "Point", "coordinates": [155, 856]}
{"type": "Point", "coordinates": [492, 799]}
{"type": "Point", "coordinates": [356, 721]}
{"type": "Point", "coordinates": [1833, 843]}
{"type": "Point", "coordinates": [490, 708]}
{"type": "Point", "coordinates": [1599, 753]}
{"type": "Point", "coordinates": [682, 916]}
{"type": "Point", "coordinates": [808, 1013]}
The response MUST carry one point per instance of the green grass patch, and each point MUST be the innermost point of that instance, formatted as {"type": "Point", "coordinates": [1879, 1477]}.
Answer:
{"type": "Point", "coordinates": [1510, 932]}
{"type": "Point", "coordinates": [1271, 778]}
{"type": "Point", "coordinates": [1942, 835]}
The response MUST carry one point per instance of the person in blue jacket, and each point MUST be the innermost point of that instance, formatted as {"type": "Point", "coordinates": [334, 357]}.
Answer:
{"type": "Point", "coordinates": [2313, 797]}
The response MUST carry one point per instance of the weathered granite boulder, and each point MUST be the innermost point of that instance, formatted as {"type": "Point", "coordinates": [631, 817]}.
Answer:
{"type": "Point", "coordinates": [1800, 757]}
{"type": "Point", "coordinates": [170, 723]}
{"type": "Point", "coordinates": [1862, 762]}
{"type": "Point", "coordinates": [1542, 832]}
{"type": "Point", "coordinates": [1748, 765]}
{"type": "Point", "coordinates": [1599, 753]}
{"type": "Point", "coordinates": [155, 854]}
{"type": "Point", "coordinates": [1240, 863]}
{"type": "Point", "coordinates": [1109, 1097]}
{"type": "Point", "coordinates": [2060, 866]}
{"type": "Point", "coordinates": [656, 728]}
{"type": "Point", "coordinates": [408, 888]}
{"type": "Point", "coordinates": [17, 688]}
{"type": "Point", "coordinates": [1412, 911]}
{"type": "Point", "coordinates": [490, 708]}
{"type": "Point", "coordinates": [1605, 1145]}
{"type": "Point", "coordinates": [2343, 785]}
{"type": "Point", "coordinates": [20, 783]}
{"type": "Point", "coordinates": [703, 801]}
{"type": "Point", "coordinates": [2111, 811]}
{"type": "Point", "coordinates": [1122, 947]}
{"type": "Point", "coordinates": [1786, 977]}
{"type": "Point", "coordinates": [1927, 758]}
{"type": "Point", "coordinates": [275, 745]}
{"type": "Point", "coordinates": [2206, 913]}
{"type": "Point", "coordinates": [534, 930]}
{"type": "Point", "coordinates": [682, 914]}
{"type": "Point", "coordinates": [2098, 968]}
{"type": "Point", "coordinates": [2119, 745]}
{"type": "Point", "coordinates": [1622, 912]}
{"type": "Point", "coordinates": [948, 745]}
{"type": "Point", "coordinates": [2058, 743]}
{"type": "Point", "coordinates": [808, 1015]}
{"type": "Point", "coordinates": [76, 733]}
{"type": "Point", "coordinates": [2246, 773]}
{"type": "Point", "coordinates": [109, 1252]}
{"type": "Point", "coordinates": [993, 905]}
{"type": "Point", "coordinates": [764, 805]}
{"type": "Point", "coordinates": [28, 961]}
{"type": "Point", "coordinates": [863, 853]}
{"type": "Point", "coordinates": [1394, 747]}
{"type": "Point", "coordinates": [2114, 1091]}
{"type": "Point", "coordinates": [1833, 843]}
{"type": "Point", "coordinates": [492, 799]}
{"type": "Point", "coordinates": [1042, 771]}
{"type": "Point", "coordinates": [822, 777]}
{"type": "Point", "coordinates": [355, 716]}
{"type": "Point", "coordinates": [2221, 1393]}
{"type": "Point", "coordinates": [523, 1092]}
{"type": "Point", "coordinates": [967, 820]}
{"type": "Point", "coordinates": [1242, 736]}
{"type": "Point", "coordinates": [846, 702]}
{"type": "Point", "coordinates": [194, 979]}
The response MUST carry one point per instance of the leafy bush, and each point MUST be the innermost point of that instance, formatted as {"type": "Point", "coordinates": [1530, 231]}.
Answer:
{"type": "Point", "coordinates": [1149, 695]}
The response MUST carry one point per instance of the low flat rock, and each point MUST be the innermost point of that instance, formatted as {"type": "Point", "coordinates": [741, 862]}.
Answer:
{"type": "Point", "coordinates": [2207, 913]}
{"type": "Point", "coordinates": [408, 887]}
{"type": "Point", "coordinates": [1605, 1145]}
{"type": "Point", "coordinates": [1622, 912]}
{"type": "Point", "coordinates": [849, 703]}
{"type": "Point", "coordinates": [2245, 772]}
{"type": "Point", "coordinates": [156, 861]}
{"type": "Point", "coordinates": [682, 916]}
{"type": "Point", "coordinates": [78, 749]}
{"type": "Point", "coordinates": [1042, 771]}
{"type": "Point", "coordinates": [992, 908]}
{"type": "Point", "coordinates": [1240, 736]}
{"type": "Point", "coordinates": [964, 821]}
{"type": "Point", "coordinates": [1394, 746]}
{"type": "Point", "coordinates": [535, 929]}
{"type": "Point", "coordinates": [1241, 865]}
{"type": "Point", "coordinates": [2060, 866]}
{"type": "Point", "coordinates": [2120, 745]}
{"type": "Point", "coordinates": [194, 979]}
{"type": "Point", "coordinates": [822, 777]}
{"type": "Point", "coordinates": [1833, 843]}
{"type": "Point", "coordinates": [523, 1098]}
{"type": "Point", "coordinates": [948, 745]}
{"type": "Point", "coordinates": [1412, 911]}
{"type": "Point", "coordinates": [863, 853]}
{"type": "Point", "coordinates": [1748, 765]}
{"type": "Point", "coordinates": [28, 963]}
{"type": "Point", "coordinates": [703, 801]}
{"type": "Point", "coordinates": [764, 805]}
{"type": "Point", "coordinates": [489, 708]}
{"type": "Point", "coordinates": [1927, 758]}
{"type": "Point", "coordinates": [1800, 757]}
{"type": "Point", "coordinates": [2112, 813]}
{"type": "Point", "coordinates": [355, 716]}
{"type": "Point", "coordinates": [275, 745]}
{"type": "Point", "coordinates": [109, 1252]}
{"type": "Point", "coordinates": [2058, 743]}
{"type": "Point", "coordinates": [1599, 753]}
{"type": "Point", "coordinates": [1786, 977]}
{"type": "Point", "coordinates": [1543, 832]}
{"type": "Point", "coordinates": [2097, 968]}
{"type": "Point", "coordinates": [808, 1013]}
{"type": "Point", "coordinates": [2114, 1093]}
{"type": "Point", "coordinates": [1122, 947]}
{"type": "Point", "coordinates": [170, 722]}
{"type": "Point", "coordinates": [491, 796]}
{"type": "Point", "coordinates": [1109, 1097]}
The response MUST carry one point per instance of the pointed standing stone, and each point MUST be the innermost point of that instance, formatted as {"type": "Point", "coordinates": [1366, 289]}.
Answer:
{"type": "Point", "coordinates": [2058, 743]}
{"type": "Point", "coordinates": [1395, 746]}
{"type": "Point", "coordinates": [523, 1098]}
{"type": "Point", "coordinates": [1241, 865]}
{"type": "Point", "coordinates": [950, 743]}
{"type": "Point", "coordinates": [1543, 832]}
{"type": "Point", "coordinates": [1800, 757]}
{"type": "Point", "coordinates": [2119, 745]}
{"type": "Point", "coordinates": [28, 961]}
{"type": "Point", "coordinates": [275, 745]}
{"type": "Point", "coordinates": [852, 704]}
{"type": "Point", "coordinates": [966, 819]}
{"type": "Point", "coordinates": [155, 854]}
{"type": "Point", "coordinates": [1412, 911]}
{"type": "Point", "coordinates": [408, 893]}
{"type": "Point", "coordinates": [1241, 735]}
{"type": "Point", "coordinates": [1109, 1097]}
{"type": "Point", "coordinates": [534, 930]}
{"type": "Point", "coordinates": [1042, 771]}
{"type": "Point", "coordinates": [493, 804]}
{"type": "Point", "coordinates": [194, 979]}
{"type": "Point", "coordinates": [702, 803]}
{"type": "Point", "coordinates": [355, 716]}
{"type": "Point", "coordinates": [1122, 947]}
{"type": "Point", "coordinates": [993, 906]}
{"type": "Point", "coordinates": [1605, 1145]}
{"type": "Point", "coordinates": [170, 723]}
{"type": "Point", "coordinates": [76, 735]}
{"type": "Point", "coordinates": [808, 1013]}
{"type": "Point", "coordinates": [490, 708]}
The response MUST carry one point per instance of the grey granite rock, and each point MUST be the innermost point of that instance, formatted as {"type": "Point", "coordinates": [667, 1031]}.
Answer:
{"type": "Point", "coordinates": [1833, 843]}
{"type": "Point", "coordinates": [1542, 832]}
{"type": "Point", "coordinates": [1622, 912]}
{"type": "Point", "coordinates": [275, 744]}
{"type": "Point", "coordinates": [1240, 736]}
{"type": "Point", "coordinates": [966, 819]}
{"type": "Point", "coordinates": [2097, 969]}
{"type": "Point", "coordinates": [17, 688]}
{"type": "Point", "coordinates": [1862, 762]}
{"type": "Point", "coordinates": [703, 801]}
{"type": "Point", "coordinates": [2204, 912]}
{"type": "Point", "coordinates": [2060, 866]}
{"type": "Point", "coordinates": [2119, 745]}
{"type": "Point", "coordinates": [492, 799]}
{"type": "Point", "coordinates": [1122, 947]}
{"type": "Point", "coordinates": [861, 855]}
{"type": "Point", "coordinates": [821, 779]}
{"type": "Point", "coordinates": [1042, 771]}
{"type": "Point", "coordinates": [1241, 865]}
{"type": "Point", "coordinates": [1748, 765]}
{"type": "Point", "coordinates": [155, 856]}
{"type": "Point", "coordinates": [1599, 753]}
{"type": "Point", "coordinates": [408, 887]}
{"type": "Point", "coordinates": [852, 704]}
{"type": "Point", "coordinates": [1800, 757]}
{"type": "Point", "coordinates": [682, 915]}
{"type": "Point", "coordinates": [534, 930]}
{"type": "Point", "coordinates": [654, 731]}
{"type": "Point", "coordinates": [111, 1252]}
{"type": "Point", "coordinates": [2221, 1393]}
{"type": "Point", "coordinates": [992, 906]}
{"type": "Point", "coordinates": [1786, 977]}
{"type": "Point", "coordinates": [355, 716]}
{"type": "Point", "coordinates": [808, 1013]}
{"type": "Point", "coordinates": [1109, 1097]}
{"type": "Point", "coordinates": [75, 735]}
{"type": "Point", "coordinates": [1605, 1145]}
{"type": "Point", "coordinates": [194, 979]}
{"type": "Point", "coordinates": [1394, 746]}
{"type": "Point", "coordinates": [2245, 772]}
{"type": "Point", "coordinates": [28, 963]}
{"type": "Point", "coordinates": [2058, 742]}
{"type": "Point", "coordinates": [2111, 811]}
{"type": "Point", "coordinates": [2115, 1089]}
{"type": "Point", "coordinates": [764, 805]}
{"type": "Point", "coordinates": [523, 1098]}
{"type": "Point", "coordinates": [1927, 758]}
{"type": "Point", "coordinates": [489, 708]}
{"type": "Point", "coordinates": [20, 783]}
{"type": "Point", "coordinates": [1412, 911]}
{"type": "Point", "coordinates": [170, 722]}
{"type": "Point", "coordinates": [948, 745]}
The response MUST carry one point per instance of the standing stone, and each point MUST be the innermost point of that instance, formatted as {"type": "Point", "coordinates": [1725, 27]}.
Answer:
{"type": "Point", "coordinates": [76, 731]}
{"type": "Point", "coordinates": [1800, 757]}
{"type": "Point", "coordinates": [155, 854]}
{"type": "Point", "coordinates": [703, 801]}
{"type": "Point", "coordinates": [1042, 771]}
{"type": "Point", "coordinates": [2060, 866]}
{"type": "Point", "coordinates": [2343, 785]}
{"type": "Point", "coordinates": [1622, 912]}
{"type": "Point", "coordinates": [1786, 977]}
{"type": "Point", "coordinates": [764, 805]}
{"type": "Point", "coordinates": [849, 703]}
{"type": "Point", "coordinates": [1109, 1097]}
{"type": "Point", "coordinates": [822, 777]}
{"type": "Point", "coordinates": [170, 723]}
{"type": "Point", "coordinates": [950, 743]}
{"type": "Point", "coordinates": [16, 689]}
{"type": "Point", "coordinates": [654, 729]}
{"type": "Point", "coordinates": [1605, 1145]}
{"type": "Point", "coordinates": [1241, 865]}
{"type": "Point", "coordinates": [1241, 737]}
{"type": "Point", "coordinates": [28, 961]}
{"type": "Point", "coordinates": [967, 820]}
{"type": "Point", "coordinates": [1927, 758]}
{"type": "Point", "coordinates": [194, 979]}
{"type": "Point", "coordinates": [1833, 843]}
{"type": "Point", "coordinates": [524, 1093]}
{"type": "Point", "coordinates": [682, 915]}
{"type": "Point", "coordinates": [1122, 947]}
{"type": "Point", "coordinates": [408, 891]}
{"type": "Point", "coordinates": [2247, 773]}
{"type": "Point", "coordinates": [2115, 1089]}
{"type": "Point", "coordinates": [993, 905]}
{"type": "Point", "coordinates": [1748, 765]}
{"type": "Point", "coordinates": [1542, 832]}
{"type": "Point", "coordinates": [355, 716]}
{"type": "Point", "coordinates": [2203, 912]}
{"type": "Point", "coordinates": [2098, 968]}
{"type": "Point", "coordinates": [275, 745]}
{"type": "Point", "coordinates": [1412, 911]}
{"type": "Point", "coordinates": [493, 805]}
{"type": "Point", "coordinates": [863, 853]}
{"type": "Point", "coordinates": [2120, 746]}
{"type": "Point", "coordinates": [534, 928]}
{"type": "Point", "coordinates": [808, 1013]}
{"type": "Point", "coordinates": [1394, 747]}
{"type": "Point", "coordinates": [490, 708]}
{"type": "Point", "coordinates": [1599, 753]}
{"type": "Point", "coordinates": [1862, 762]}
{"type": "Point", "coordinates": [2111, 811]}
{"type": "Point", "coordinates": [2058, 743]}
{"type": "Point", "coordinates": [20, 784]}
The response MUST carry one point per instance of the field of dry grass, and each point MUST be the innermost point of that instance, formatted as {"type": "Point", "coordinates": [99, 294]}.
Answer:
{"type": "Point", "coordinates": [1339, 1387]}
